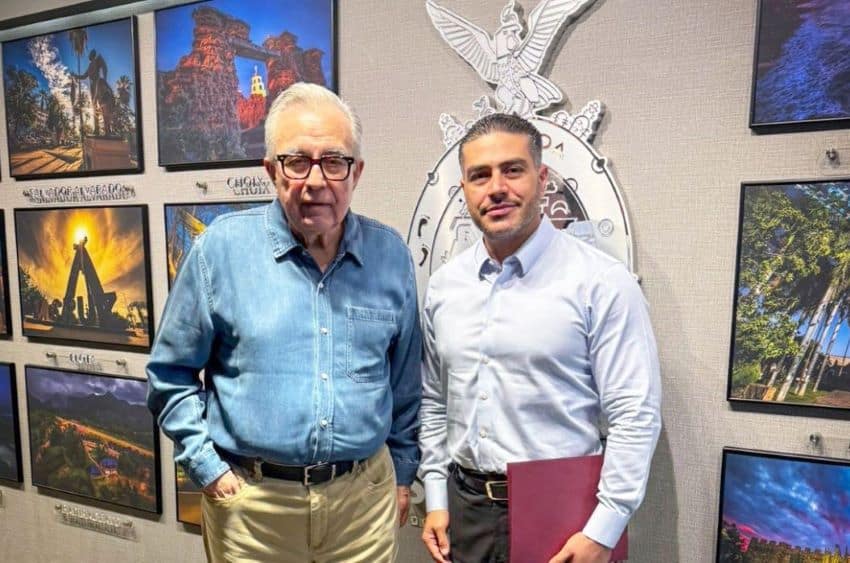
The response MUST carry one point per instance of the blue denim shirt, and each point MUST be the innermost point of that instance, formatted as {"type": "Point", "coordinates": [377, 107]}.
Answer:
{"type": "Point", "coordinates": [300, 366]}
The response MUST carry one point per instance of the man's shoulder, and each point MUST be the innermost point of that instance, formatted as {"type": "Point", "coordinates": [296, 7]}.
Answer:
{"type": "Point", "coordinates": [460, 266]}
{"type": "Point", "coordinates": [376, 233]}
{"type": "Point", "coordinates": [235, 225]}
{"type": "Point", "coordinates": [579, 255]}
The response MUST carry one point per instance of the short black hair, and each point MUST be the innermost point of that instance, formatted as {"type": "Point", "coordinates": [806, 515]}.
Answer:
{"type": "Point", "coordinates": [505, 123]}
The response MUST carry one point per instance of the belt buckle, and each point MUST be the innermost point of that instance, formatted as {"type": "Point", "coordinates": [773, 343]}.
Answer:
{"type": "Point", "coordinates": [488, 486]}
{"type": "Point", "coordinates": [257, 472]}
{"type": "Point", "coordinates": [306, 481]}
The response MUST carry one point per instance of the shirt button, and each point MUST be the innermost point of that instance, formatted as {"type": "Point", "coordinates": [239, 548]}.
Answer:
{"type": "Point", "coordinates": [324, 330]}
{"type": "Point", "coordinates": [321, 286]}
{"type": "Point", "coordinates": [324, 376]}
{"type": "Point", "coordinates": [482, 433]}
{"type": "Point", "coordinates": [483, 396]}
{"type": "Point", "coordinates": [324, 423]}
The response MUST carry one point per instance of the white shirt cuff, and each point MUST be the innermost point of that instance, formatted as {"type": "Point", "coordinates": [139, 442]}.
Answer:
{"type": "Point", "coordinates": [436, 494]}
{"type": "Point", "coordinates": [605, 526]}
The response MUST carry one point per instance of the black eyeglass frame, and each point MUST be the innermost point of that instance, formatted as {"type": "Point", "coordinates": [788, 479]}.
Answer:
{"type": "Point", "coordinates": [313, 162]}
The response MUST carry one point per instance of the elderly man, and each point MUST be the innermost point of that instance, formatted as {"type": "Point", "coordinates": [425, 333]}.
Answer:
{"type": "Point", "coordinates": [531, 336]}
{"type": "Point", "coordinates": [303, 316]}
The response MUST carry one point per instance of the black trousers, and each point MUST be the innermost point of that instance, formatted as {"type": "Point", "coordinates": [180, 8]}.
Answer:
{"type": "Point", "coordinates": [478, 526]}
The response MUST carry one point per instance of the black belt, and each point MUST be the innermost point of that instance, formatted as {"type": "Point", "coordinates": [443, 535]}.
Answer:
{"type": "Point", "coordinates": [305, 474]}
{"type": "Point", "coordinates": [492, 485]}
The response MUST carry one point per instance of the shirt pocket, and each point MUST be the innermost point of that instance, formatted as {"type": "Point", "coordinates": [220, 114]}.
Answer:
{"type": "Point", "coordinates": [370, 332]}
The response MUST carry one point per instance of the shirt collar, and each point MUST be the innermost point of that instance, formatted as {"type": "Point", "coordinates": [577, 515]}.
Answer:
{"type": "Point", "coordinates": [525, 257]}
{"type": "Point", "coordinates": [283, 241]}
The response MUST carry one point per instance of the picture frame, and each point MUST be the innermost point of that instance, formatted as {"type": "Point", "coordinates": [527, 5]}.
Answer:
{"type": "Point", "coordinates": [773, 505]}
{"type": "Point", "coordinates": [105, 252]}
{"type": "Point", "coordinates": [801, 66]}
{"type": "Point", "coordinates": [63, 121]}
{"type": "Point", "coordinates": [188, 498]}
{"type": "Point", "coordinates": [220, 64]}
{"type": "Point", "coordinates": [5, 305]}
{"type": "Point", "coordinates": [790, 332]}
{"type": "Point", "coordinates": [92, 436]}
{"type": "Point", "coordinates": [185, 221]}
{"type": "Point", "coordinates": [11, 469]}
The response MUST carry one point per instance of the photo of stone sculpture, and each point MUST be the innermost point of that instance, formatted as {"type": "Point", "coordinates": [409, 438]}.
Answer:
{"type": "Point", "coordinates": [802, 67]}
{"type": "Point", "coordinates": [783, 508]}
{"type": "Point", "coordinates": [71, 101]}
{"type": "Point", "coordinates": [93, 436]}
{"type": "Point", "coordinates": [220, 64]}
{"type": "Point", "coordinates": [791, 336]}
{"type": "Point", "coordinates": [184, 222]}
{"type": "Point", "coordinates": [84, 275]}
{"type": "Point", "coordinates": [10, 444]}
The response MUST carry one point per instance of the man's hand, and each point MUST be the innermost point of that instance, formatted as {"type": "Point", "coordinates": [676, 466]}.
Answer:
{"type": "Point", "coordinates": [403, 494]}
{"type": "Point", "coordinates": [225, 486]}
{"type": "Point", "coordinates": [581, 549]}
{"type": "Point", "coordinates": [434, 535]}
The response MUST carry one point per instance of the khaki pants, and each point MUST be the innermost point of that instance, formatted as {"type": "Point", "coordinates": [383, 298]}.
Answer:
{"type": "Point", "coordinates": [353, 518]}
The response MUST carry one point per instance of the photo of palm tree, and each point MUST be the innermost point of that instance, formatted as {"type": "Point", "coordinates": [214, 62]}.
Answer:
{"type": "Point", "coordinates": [10, 440]}
{"type": "Point", "coordinates": [791, 333]}
{"type": "Point", "coordinates": [72, 101]}
{"type": "Point", "coordinates": [84, 275]}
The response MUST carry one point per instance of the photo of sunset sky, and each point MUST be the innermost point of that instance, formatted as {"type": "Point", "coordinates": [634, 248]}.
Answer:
{"type": "Point", "coordinates": [110, 282]}
{"type": "Point", "coordinates": [801, 502]}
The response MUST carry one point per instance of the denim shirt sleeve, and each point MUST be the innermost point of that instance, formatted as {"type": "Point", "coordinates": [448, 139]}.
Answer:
{"type": "Point", "coordinates": [181, 349]}
{"type": "Point", "coordinates": [405, 382]}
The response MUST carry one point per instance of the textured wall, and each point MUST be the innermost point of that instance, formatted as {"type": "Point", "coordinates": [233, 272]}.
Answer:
{"type": "Point", "coordinates": [675, 79]}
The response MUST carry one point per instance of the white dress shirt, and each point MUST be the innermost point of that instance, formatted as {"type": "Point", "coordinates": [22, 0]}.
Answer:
{"type": "Point", "coordinates": [523, 360]}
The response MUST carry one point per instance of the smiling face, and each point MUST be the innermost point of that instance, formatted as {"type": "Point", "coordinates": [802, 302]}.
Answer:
{"type": "Point", "coordinates": [314, 207]}
{"type": "Point", "coordinates": [503, 189]}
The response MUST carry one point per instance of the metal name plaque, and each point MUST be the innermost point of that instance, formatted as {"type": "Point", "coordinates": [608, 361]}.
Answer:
{"type": "Point", "coordinates": [80, 194]}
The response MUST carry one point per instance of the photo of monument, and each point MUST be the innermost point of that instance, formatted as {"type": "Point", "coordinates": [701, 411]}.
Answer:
{"type": "Point", "coordinates": [220, 64]}
{"type": "Point", "coordinates": [72, 103]}
{"type": "Point", "coordinates": [84, 275]}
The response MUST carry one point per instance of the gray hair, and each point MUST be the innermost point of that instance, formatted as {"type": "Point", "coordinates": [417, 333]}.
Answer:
{"type": "Point", "coordinates": [310, 95]}
{"type": "Point", "coordinates": [505, 123]}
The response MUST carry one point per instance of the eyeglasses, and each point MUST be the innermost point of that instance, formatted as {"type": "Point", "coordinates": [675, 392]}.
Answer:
{"type": "Point", "coordinates": [299, 166]}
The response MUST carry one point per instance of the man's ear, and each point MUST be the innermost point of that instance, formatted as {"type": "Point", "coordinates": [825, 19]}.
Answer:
{"type": "Point", "coordinates": [356, 171]}
{"type": "Point", "coordinates": [270, 167]}
{"type": "Point", "coordinates": [542, 177]}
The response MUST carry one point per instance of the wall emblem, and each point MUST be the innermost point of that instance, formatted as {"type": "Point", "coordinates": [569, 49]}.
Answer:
{"type": "Point", "coordinates": [581, 196]}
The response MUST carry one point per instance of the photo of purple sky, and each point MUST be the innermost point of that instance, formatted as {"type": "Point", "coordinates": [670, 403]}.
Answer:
{"type": "Point", "coordinates": [800, 502]}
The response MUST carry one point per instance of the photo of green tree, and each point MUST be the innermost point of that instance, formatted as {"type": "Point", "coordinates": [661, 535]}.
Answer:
{"type": "Point", "coordinates": [93, 436]}
{"type": "Point", "coordinates": [791, 334]}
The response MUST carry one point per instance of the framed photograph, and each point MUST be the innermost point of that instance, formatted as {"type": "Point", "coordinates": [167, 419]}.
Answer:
{"type": "Point", "coordinates": [185, 221]}
{"type": "Point", "coordinates": [72, 102]}
{"type": "Point", "coordinates": [92, 435]}
{"type": "Point", "coordinates": [84, 275]}
{"type": "Point", "coordinates": [5, 311]}
{"type": "Point", "coordinates": [801, 68]}
{"type": "Point", "coordinates": [10, 436]}
{"type": "Point", "coordinates": [791, 324]}
{"type": "Point", "coordinates": [220, 64]}
{"type": "Point", "coordinates": [188, 498]}
{"type": "Point", "coordinates": [779, 507]}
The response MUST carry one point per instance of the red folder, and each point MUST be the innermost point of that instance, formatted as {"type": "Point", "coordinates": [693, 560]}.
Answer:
{"type": "Point", "coordinates": [550, 500]}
